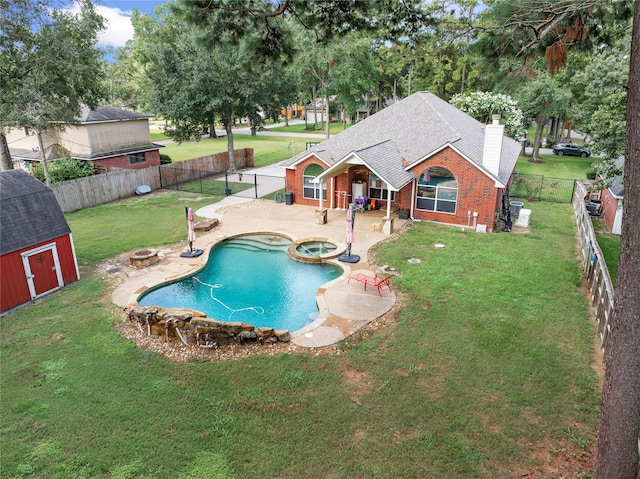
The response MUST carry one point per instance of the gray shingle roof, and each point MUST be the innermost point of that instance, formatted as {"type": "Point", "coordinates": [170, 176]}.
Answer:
{"type": "Point", "coordinates": [30, 213]}
{"type": "Point", "coordinates": [409, 131]}
{"type": "Point", "coordinates": [615, 184]}
{"type": "Point", "coordinates": [109, 113]}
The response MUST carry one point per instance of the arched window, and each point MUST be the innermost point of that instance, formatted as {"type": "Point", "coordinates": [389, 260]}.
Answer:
{"type": "Point", "coordinates": [309, 189]}
{"type": "Point", "coordinates": [437, 190]}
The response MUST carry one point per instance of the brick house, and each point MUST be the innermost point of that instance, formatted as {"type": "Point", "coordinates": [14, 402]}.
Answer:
{"type": "Point", "coordinates": [109, 138]}
{"type": "Point", "coordinates": [419, 157]}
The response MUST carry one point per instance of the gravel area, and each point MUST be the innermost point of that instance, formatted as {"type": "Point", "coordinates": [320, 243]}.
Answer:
{"type": "Point", "coordinates": [177, 351]}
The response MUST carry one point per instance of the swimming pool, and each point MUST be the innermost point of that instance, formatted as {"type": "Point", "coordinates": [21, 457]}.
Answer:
{"type": "Point", "coordinates": [251, 279]}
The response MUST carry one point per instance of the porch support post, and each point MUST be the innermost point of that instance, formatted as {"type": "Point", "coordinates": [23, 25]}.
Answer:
{"type": "Point", "coordinates": [388, 201]}
{"type": "Point", "coordinates": [387, 221]}
{"type": "Point", "coordinates": [321, 214]}
{"type": "Point", "coordinates": [332, 188]}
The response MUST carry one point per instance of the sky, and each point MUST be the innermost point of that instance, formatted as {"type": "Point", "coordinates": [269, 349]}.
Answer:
{"type": "Point", "coordinates": [117, 14]}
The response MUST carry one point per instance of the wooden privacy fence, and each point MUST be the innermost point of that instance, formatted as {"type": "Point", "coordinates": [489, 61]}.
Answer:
{"type": "Point", "coordinates": [595, 268]}
{"type": "Point", "coordinates": [74, 195]}
{"type": "Point", "coordinates": [217, 163]}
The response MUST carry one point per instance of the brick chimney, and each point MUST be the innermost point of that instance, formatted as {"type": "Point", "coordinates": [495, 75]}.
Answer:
{"type": "Point", "coordinates": [493, 135]}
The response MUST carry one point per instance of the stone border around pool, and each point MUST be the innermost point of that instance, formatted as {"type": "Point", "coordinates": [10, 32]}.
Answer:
{"type": "Point", "coordinates": [228, 334]}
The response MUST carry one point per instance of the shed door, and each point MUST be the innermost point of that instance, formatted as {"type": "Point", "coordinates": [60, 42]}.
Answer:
{"type": "Point", "coordinates": [42, 269]}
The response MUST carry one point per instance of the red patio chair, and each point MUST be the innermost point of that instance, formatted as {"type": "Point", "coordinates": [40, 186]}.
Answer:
{"type": "Point", "coordinates": [376, 281]}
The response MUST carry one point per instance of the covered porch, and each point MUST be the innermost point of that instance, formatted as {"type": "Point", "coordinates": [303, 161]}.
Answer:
{"type": "Point", "coordinates": [353, 181]}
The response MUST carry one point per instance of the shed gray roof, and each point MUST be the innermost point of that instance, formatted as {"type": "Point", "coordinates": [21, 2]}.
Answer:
{"type": "Point", "coordinates": [30, 213]}
{"type": "Point", "coordinates": [408, 132]}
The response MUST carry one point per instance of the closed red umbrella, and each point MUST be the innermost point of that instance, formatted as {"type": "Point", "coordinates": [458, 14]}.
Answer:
{"type": "Point", "coordinates": [191, 236]}
{"type": "Point", "coordinates": [349, 238]}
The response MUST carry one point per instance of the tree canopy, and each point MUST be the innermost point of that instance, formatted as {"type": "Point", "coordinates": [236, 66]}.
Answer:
{"type": "Point", "coordinates": [49, 65]}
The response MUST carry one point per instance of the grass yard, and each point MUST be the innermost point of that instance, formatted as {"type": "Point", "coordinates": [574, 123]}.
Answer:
{"type": "Point", "coordinates": [555, 166]}
{"type": "Point", "coordinates": [267, 149]}
{"type": "Point", "coordinates": [609, 244]}
{"type": "Point", "coordinates": [485, 371]}
{"type": "Point", "coordinates": [148, 221]}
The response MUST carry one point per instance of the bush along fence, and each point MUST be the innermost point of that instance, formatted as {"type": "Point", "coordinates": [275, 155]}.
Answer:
{"type": "Point", "coordinates": [193, 328]}
{"type": "Point", "coordinates": [74, 195]}
{"type": "Point", "coordinates": [542, 188]}
{"type": "Point", "coordinates": [595, 267]}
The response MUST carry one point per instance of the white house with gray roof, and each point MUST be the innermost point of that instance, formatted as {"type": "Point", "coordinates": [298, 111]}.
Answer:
{"type": "Point", "coordinates": [108, 137]}
{"type": "Point", "coordinates": [431, 160]}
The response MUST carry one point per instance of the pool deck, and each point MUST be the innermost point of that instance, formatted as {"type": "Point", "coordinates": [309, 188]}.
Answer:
{"type": "Point", "coordinates": [344, 306]}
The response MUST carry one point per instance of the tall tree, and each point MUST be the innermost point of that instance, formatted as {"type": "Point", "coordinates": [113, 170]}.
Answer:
{"type": "Point", "coordinates": [542, 99]}
{"type": "Point", "coordinates": [601, 103]}
{"type": "Point", "coordinates": [192, 84]}
{"type": "Point", "coordinates": [49, 65]}
{"type": "Point", "coordinates": [444, 63]}
{"type": "Point", "coordinates": [617, 445]}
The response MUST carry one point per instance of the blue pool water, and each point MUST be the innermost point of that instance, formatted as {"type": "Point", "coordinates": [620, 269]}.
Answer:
{"type": "Point", "coordinates": [250, 279]}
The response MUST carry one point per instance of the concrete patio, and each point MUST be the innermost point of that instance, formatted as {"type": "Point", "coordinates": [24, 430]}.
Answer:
{"type": "Point", "coordinates": [344, 307]}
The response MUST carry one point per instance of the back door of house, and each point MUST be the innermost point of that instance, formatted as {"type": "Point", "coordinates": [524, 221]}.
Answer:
{"type": "Point", "coordinates": [43, 270]}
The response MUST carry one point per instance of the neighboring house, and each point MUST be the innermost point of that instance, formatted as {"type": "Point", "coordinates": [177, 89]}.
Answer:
{"type": "Point", "coordinates": [430, 159]}
{"type": "Point", "coordinates": [36, 248]}
{"type": "Point", "coordinates": [317, 110]}
{"type": "Point", "coordinates": [611, 197]}
{"type": "Point", "coordinates": [109, 138]}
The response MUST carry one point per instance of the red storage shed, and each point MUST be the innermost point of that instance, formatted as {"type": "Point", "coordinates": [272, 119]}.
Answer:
{"type": "Point", "coordinates": [36, 248]}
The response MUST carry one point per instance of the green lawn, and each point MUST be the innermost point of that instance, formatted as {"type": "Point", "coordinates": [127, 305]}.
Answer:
{"type": "Point", "coordinates": [484, 372]}
{"type": "Point", "coordinates": [267, 149]}
{"type": "Point", "coordinates": [556, 166]}
{"type": "Point", "coordinates": [610, 246]}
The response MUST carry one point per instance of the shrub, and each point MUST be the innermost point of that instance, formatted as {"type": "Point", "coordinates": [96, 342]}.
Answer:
{"type": "Point", "coordinates": [63, 170]}
{"type": "Point", "coordinates": [164, 159]}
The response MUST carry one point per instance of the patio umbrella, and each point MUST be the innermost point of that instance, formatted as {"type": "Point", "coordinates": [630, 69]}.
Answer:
{"type": "Point", "coordinates": [350, 238]}
{"type": "Point", "coordinates": [191, 236]}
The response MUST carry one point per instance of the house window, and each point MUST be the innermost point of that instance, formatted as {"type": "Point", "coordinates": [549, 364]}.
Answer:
{"type": "Point", "coordinates": [309, 189]}
{"type": "Point", "coordinates": [437, 190]}
{"type": "Point", "coordinates": [378, 190]}
{"type": "Point", "coordinates": [137, 158]}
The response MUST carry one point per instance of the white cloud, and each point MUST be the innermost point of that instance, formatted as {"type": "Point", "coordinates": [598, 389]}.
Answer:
{"type": "Point", "coordinates": [117, 22]}
{"type": "Point", "coordinates": [118, 26]}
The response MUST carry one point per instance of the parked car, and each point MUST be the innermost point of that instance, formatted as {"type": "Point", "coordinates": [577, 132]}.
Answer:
{"type": "Point", "coordinates": [568, 148]}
